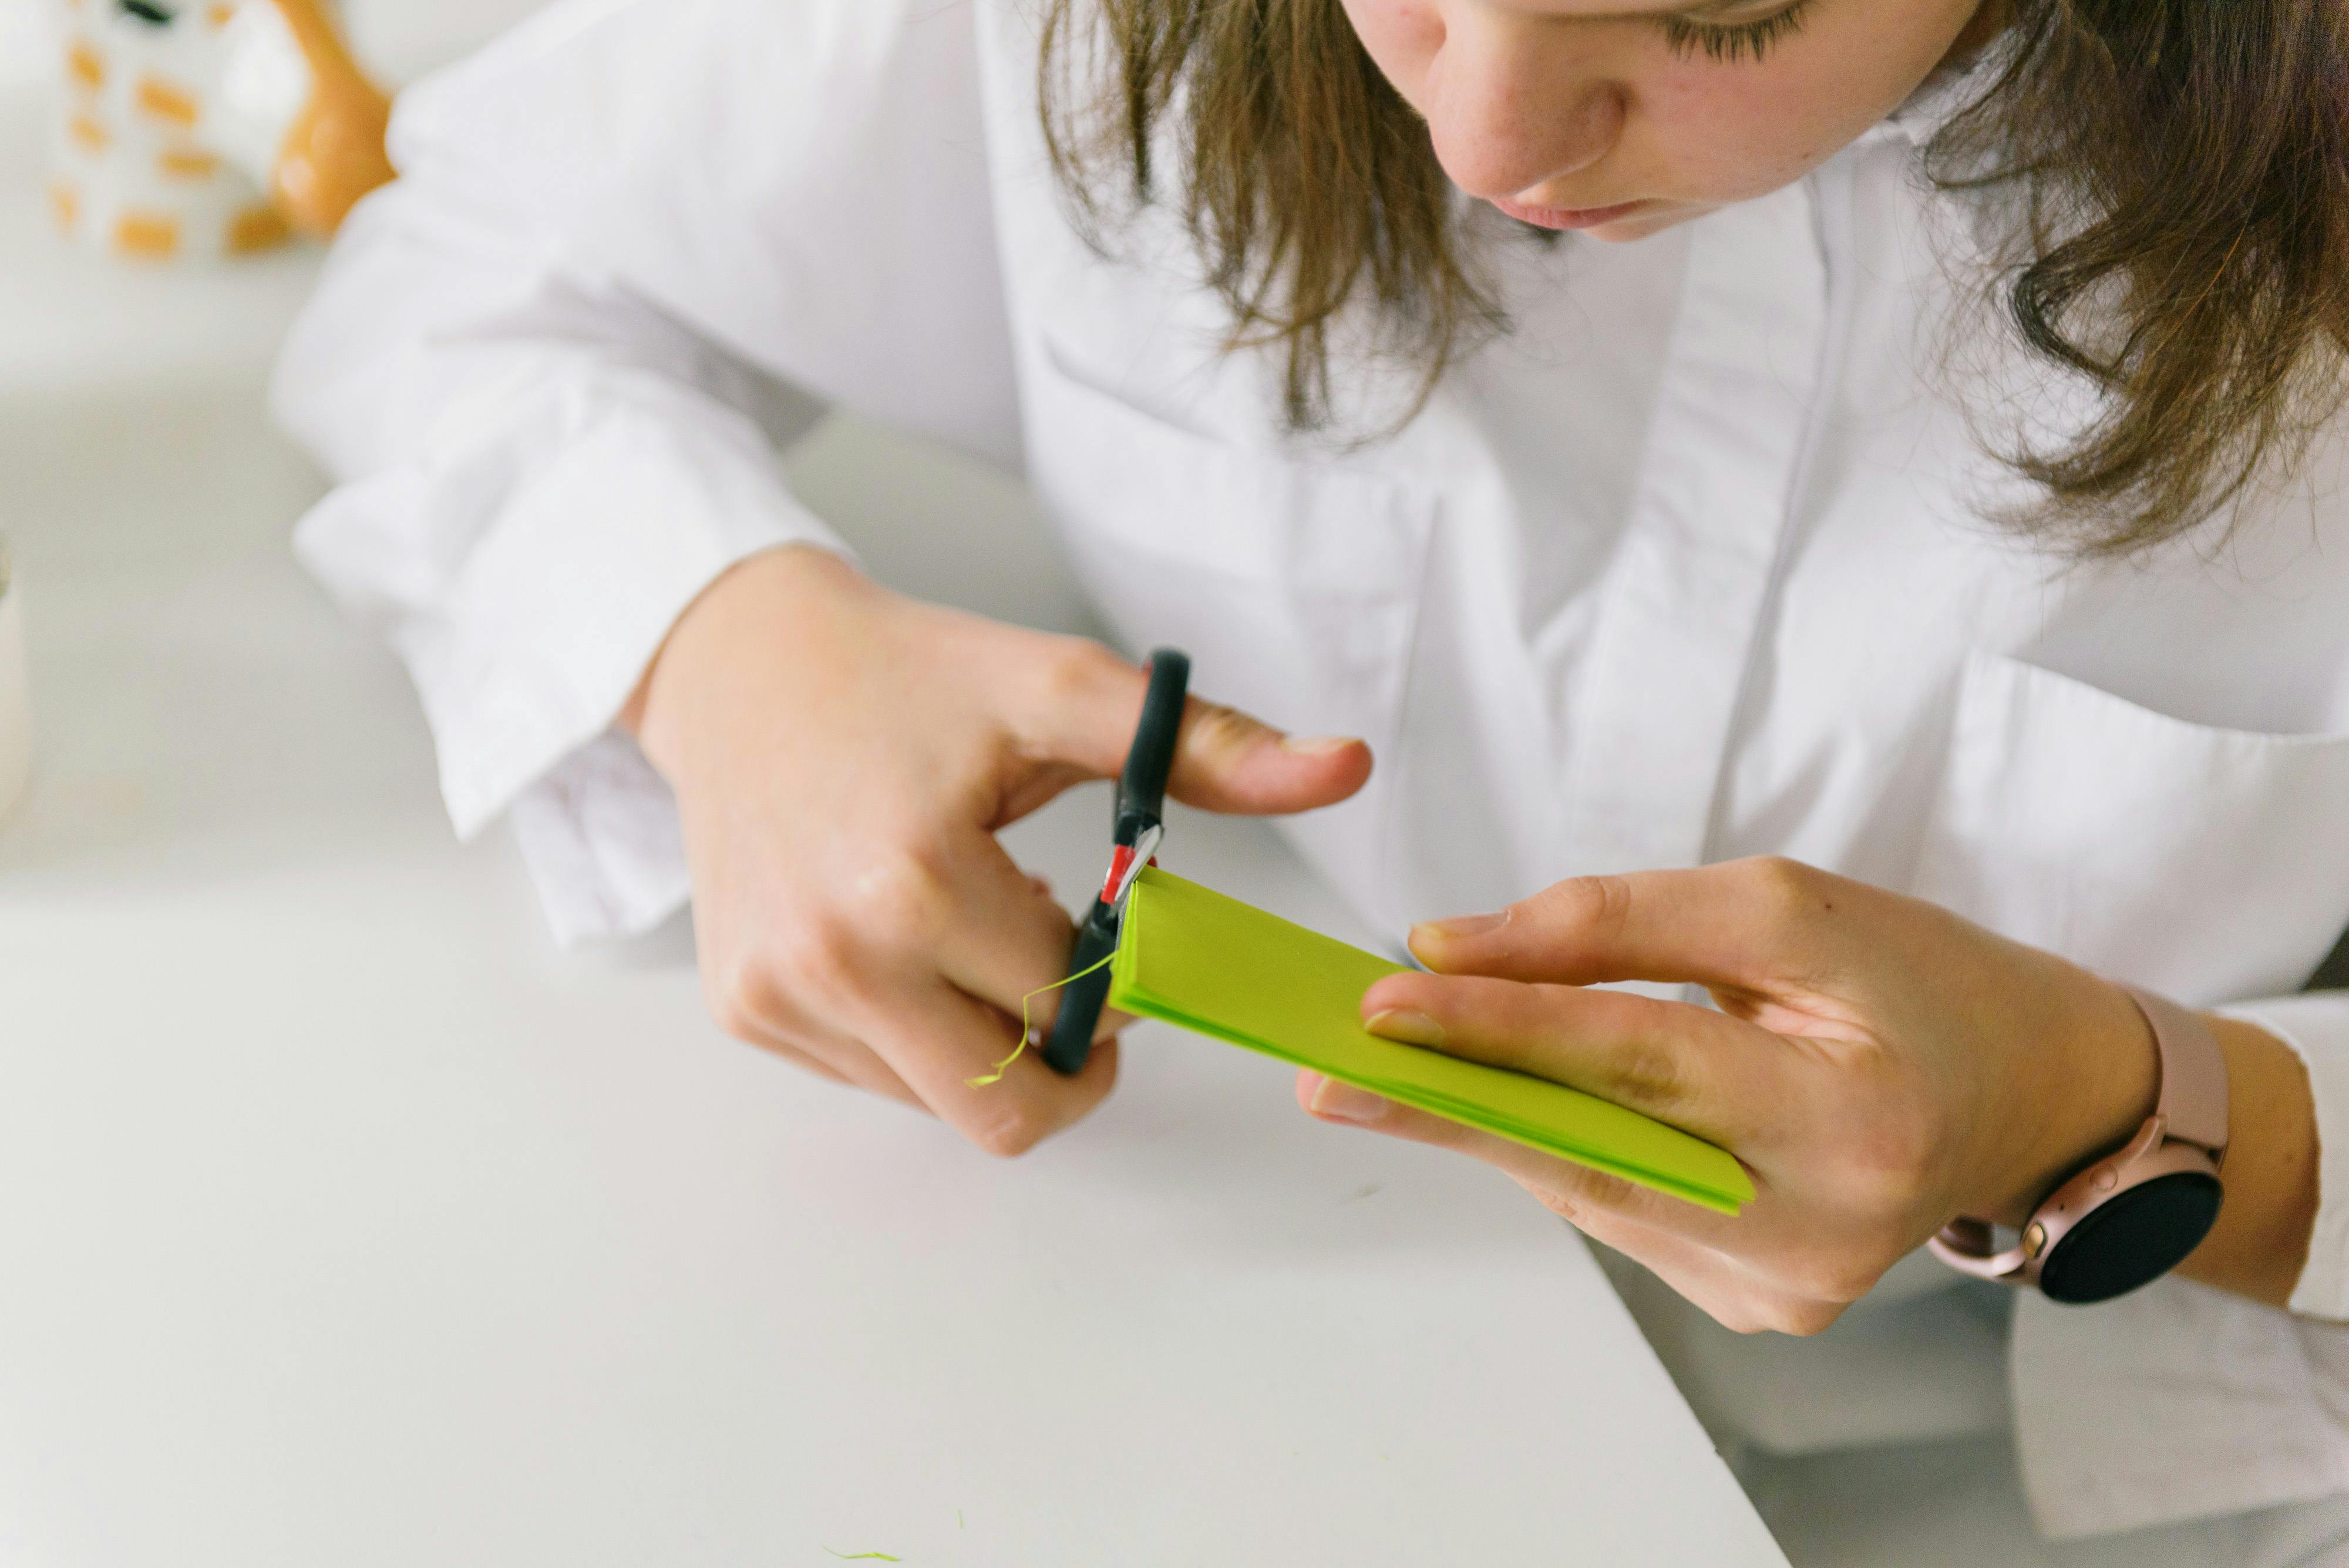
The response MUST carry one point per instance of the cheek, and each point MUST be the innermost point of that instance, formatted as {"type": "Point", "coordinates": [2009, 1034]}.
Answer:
{"type": "Point", "coordinates": [1739, 130]}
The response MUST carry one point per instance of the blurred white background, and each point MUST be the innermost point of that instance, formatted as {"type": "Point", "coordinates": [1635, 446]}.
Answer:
{"type": "Point", "coordinates": [92, 350]}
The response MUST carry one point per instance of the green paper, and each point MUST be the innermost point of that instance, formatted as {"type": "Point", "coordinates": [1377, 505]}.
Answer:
{"type": "Point", "coordinates": [1195, 958]}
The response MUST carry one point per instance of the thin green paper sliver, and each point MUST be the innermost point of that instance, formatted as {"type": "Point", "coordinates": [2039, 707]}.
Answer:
{"type": "Point", "coordinates": [1212, 965]}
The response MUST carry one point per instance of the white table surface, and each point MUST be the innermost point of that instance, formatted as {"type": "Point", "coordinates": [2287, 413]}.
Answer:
{"type": "Point", "coordinates": [342, 1220]}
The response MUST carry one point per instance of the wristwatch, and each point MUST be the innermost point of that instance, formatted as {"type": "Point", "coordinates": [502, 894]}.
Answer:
{"type": "Point", "coordinates": [2131, 1216]}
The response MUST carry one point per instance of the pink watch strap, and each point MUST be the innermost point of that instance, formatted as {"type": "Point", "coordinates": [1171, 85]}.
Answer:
{"type": "Point", "coordinates": [2193, 1106]}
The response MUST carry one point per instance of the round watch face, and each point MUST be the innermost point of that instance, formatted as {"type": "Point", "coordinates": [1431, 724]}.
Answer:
{"type": "Point", "coordinates": [2133, 1239]}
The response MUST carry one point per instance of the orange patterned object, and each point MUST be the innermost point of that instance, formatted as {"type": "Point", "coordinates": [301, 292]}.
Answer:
{"type": "Point", "coordinates": [195, 131]}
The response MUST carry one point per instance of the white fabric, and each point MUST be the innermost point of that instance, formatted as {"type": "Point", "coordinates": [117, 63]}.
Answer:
{"type": "Point", "coordinates": [1692, 565]}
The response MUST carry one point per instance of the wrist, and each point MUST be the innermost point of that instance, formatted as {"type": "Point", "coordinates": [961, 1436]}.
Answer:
{"type": "Point", "coordinates": [2260, 1243]}
{"type": "Point", "coordinates": [749, 600]}
{"type": "Point", "coordinates": [2098, 1078]}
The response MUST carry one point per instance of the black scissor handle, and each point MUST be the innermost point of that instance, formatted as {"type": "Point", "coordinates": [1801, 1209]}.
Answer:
{"type": "Point", "coordinates": [1141, 805]}
{"type": "Point", "coordinates": [1071, 1044]}
{"type": "Point", "coordinates": [1142, 790]}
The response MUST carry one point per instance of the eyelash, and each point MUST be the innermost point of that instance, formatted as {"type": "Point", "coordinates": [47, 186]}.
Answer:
{"type": "Point", "coordinates": [1744, 40]}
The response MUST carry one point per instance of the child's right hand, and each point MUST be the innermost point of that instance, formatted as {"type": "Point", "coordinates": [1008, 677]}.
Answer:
{"type": "Point", "coordinates": [842, 758]}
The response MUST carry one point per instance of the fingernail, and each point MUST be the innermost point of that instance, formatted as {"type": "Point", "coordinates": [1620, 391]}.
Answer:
{"type": "Point", "coordinates": [1407, 1024]}
{"type": "Point", "coordinates": [1344, 1103]}
{"type": "Point", "coordinates": [1459, 930]}
{"type": "Point", "coordinates": [1317, 745]}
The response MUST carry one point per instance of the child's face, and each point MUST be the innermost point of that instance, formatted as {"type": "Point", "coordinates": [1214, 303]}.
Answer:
{"type": "Point", "coordinates": [1624, 116]}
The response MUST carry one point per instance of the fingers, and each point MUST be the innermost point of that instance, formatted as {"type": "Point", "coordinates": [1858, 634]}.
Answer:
{"type": "Point", "coordinates": [1697, 1070]}
{"type": "Point", "coordinates": [774, 1024]}
{"type": "Point", "coordinates": [1086, 703]}
{"type": "Point", "coordinates": [1741, 923]}
{"type": "Point", "coordinates": [926, 1055]}
{"type": "Point", "coordinates": [1229, 761]}
{"type": "Point", "coordinates": [847, 1061]}
{"type": "Point", "coordinates": [940, 1039]}
{"type": "Point", "coordinates": [1697, 1252]}
{"type": "Point", "coordinates": [1005, 939]}
{"type": "Point", "coordinates": [1587, 1197]}
{"type": "Point", "coordinates": [1009, 945]}
{"type": "Point", "coordinates": [906, 980]}
{"type": "Point", "coordinates": [881, 1016]}
{"type": "Point", "coordinates": [807, 1063]}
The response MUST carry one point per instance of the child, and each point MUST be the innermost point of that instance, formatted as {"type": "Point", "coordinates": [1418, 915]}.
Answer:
{"type": "Point", "coordinates": [1836, 479]}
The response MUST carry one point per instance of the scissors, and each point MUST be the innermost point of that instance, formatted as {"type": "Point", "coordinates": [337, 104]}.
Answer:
{"type": "Point", "coordinates": [1141, 807]}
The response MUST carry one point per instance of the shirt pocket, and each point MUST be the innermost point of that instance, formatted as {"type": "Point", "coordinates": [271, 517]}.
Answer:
{"type": "Point", "coordinates": [2212, 863]}
{"type": "Point", "coordinates": [1295, 585]}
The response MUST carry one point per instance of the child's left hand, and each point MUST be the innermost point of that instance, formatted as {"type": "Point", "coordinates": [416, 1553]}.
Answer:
{"type": "Point", "coordinates": [1880, 1065]}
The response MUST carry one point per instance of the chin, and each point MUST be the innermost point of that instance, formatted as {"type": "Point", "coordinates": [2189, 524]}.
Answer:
{"type": "Point", "coordinates": [1651, 220]}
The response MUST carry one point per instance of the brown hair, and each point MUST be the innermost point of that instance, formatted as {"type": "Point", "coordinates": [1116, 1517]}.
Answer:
{"type": "Point", "coordinates": [2180, 170]}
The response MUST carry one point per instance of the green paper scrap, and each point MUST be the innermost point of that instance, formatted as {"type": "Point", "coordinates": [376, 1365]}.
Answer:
{"type": "Point", "coordinates": [1195, 958]}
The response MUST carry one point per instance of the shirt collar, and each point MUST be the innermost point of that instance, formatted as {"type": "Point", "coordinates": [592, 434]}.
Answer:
{"type": "Point", "coordinates": [1938, 101]}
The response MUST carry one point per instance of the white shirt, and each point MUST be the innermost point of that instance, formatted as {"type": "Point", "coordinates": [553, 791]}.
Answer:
{"type": "Point", "coordinates": [1692, 565]}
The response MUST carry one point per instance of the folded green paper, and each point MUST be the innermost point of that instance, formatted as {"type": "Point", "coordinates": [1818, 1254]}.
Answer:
{"type": "Point", "coordinates": [1193, 957]}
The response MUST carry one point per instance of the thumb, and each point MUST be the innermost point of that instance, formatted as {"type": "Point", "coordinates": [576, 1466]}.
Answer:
{"type": "Point", "coordinates": [1085, 714]}
{"type": "Point", "coordinates": [1226, 761]}
{"type": "Point", "coordinates": [1740, 924]}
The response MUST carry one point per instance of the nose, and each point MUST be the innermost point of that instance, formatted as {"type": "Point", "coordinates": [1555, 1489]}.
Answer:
{"type": "Point", "coordinates": [1515, 105]}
